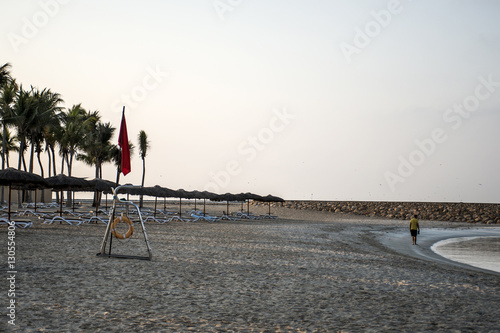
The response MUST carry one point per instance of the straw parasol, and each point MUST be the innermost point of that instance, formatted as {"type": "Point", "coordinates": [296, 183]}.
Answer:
{"type": "Point", "coordinates": [101, 185]}
{"type": "Point", "coordinates": [66, 183]}
{"type": "Point", "coordinates": [154, 191]}
{"type": "Point", "coordinates": [164, 192]}
{"type": "Point", "coordinates": [20, 179]}
{"type": "Point", "coordinates": [183, 194]}
{"type": "Point", "coordinates": [271, 198]}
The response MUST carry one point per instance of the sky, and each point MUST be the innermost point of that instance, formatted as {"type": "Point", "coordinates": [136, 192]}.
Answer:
{"type": "Point", "coordinates": [307, 100]}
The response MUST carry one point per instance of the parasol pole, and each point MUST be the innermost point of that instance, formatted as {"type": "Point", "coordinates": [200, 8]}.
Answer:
{"type": "Point", "coordinates": [97, 205]}
{"type": "Point", "coordinates": [61, 204]}
{"type": "Point", "coordinates": [180, 207]}
{"type": "Point", "coordinates": [156, 199]}
{"type": "Point", "coordinates": [10, 191]}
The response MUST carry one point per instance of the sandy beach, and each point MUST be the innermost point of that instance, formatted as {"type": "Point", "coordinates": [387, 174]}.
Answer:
{"type": "Point", "coordinates": [303, 272]}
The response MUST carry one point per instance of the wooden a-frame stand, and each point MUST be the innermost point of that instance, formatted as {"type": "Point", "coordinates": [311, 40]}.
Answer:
{"type": "Point", "coordinates": [108, 234]}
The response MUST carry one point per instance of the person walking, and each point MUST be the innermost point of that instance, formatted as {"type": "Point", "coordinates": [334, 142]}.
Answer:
{"type": "Point", "coordinates": [414, 229]}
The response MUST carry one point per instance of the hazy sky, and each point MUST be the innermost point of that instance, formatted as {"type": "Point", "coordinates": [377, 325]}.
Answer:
{"type": "Point", "coordinates": [329, 100]}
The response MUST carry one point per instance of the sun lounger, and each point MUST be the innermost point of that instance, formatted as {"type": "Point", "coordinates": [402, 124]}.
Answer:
{"type": "Point", "coordinates": [62, 219]}
{"type": "Point", "coordinates": [177, 218]}
{"type": "Point", "coordinates": [242, 215]}
{"type": "Point", "coordinates": [206, 218]}
{"type": "Point", "coordinates": [267, 216]}
{"type": "Point", "coordinates": [96, 219]}
{"type": "Point", "coordinates": [159, 220]}
{"type": "Point", "coordinates": [228, 217]}
{"type": "Point", "coordinates": [17, 223]}
{"type": "Point", "coordinates": [29, 212]}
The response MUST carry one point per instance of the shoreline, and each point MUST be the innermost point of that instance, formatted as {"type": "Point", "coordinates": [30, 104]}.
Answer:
{"type": "Point", "coordinates": [399, 241]}
{"type": "Point", "coordinates": [477, 251]}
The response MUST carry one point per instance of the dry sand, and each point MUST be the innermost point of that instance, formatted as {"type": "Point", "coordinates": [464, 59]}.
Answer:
{"type": "Point", "coordinates": [305, 272]}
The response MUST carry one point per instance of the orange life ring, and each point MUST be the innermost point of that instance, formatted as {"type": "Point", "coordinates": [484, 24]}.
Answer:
{"type": "Point", "coordinates": [130, 230]}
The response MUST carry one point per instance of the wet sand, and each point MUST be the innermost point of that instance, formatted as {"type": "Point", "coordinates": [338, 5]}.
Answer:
{"type": "Point", "coordinates": [304, 272]}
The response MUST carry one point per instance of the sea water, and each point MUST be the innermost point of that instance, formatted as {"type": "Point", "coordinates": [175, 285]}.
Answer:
{"type": "Point", "coordinates": [482, 252]}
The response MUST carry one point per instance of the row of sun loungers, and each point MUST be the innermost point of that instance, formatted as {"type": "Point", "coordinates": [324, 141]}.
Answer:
{"type": "Point", "coordinates": [78, 217]}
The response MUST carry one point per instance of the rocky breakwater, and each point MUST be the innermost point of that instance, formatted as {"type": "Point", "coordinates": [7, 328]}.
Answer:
{"type": "Point", "coordinates": [436, 211]}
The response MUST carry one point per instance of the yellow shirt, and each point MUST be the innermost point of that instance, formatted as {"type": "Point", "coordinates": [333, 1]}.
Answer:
{"type": "Point", "coordinates": [414, 224]}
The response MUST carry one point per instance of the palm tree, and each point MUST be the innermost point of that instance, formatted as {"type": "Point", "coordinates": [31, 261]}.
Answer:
{"type": "Point", "coordinates": [75, 125]}
{"type": "Point", "coordinates": [45, 116]}
{"type": "Point", "coordinates": [143, 151]}
{"type": "Point", "coordinates": [10, 144]}
{"type": "Point", "coordinates": [4, 74]}
{"type": "Point", "coordinates": [7, 100]}
{"type": "Point", "coordinates": [50, 137]}
{"type": "Point", "coordinates": [22, 114]}
{"type": "Point", "coordinates": [97, 147]}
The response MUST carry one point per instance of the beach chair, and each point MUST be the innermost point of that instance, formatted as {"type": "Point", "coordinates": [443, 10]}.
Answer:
{"type": "Point", "coordinates": [29, 212]}
{"type": "Point", "coordinates": [155, 219]}
{"type": "Point", "coordinates": [176, 218]}
{"type": "Point", "coordinates": [96, 219]}
{"type": "Point", "coordinates": [24, 224]}
{"type": "Point", "coordinates": [206, 218]}
{"type": "Point", "coordinates": [268, 216]}
{"type": "Point", "coordinates": [63, 219]}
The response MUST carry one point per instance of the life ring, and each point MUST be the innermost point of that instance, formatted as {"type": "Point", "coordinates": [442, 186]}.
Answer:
{"type": "Point", "coordinates": [130, 230]}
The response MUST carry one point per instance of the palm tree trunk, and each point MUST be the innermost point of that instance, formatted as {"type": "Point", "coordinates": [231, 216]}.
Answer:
{"type": "Point", "coordinates": [69, 200]}
{"type": "Point", "coordinates": [21, 149]}
{"type": "Point", "coordinates": [4, 147]}
{"type": "Point", "coordinates": [96, 200]}
{"type": "Point", "coordinates": [62, 163]}
{"type": "Point", "coordinates": [40, 164]}
{"type": "Point", "coordinates": [32, 155]}
{"type": "Point", "coordinates": [52, 149]}
{"type": "Point", "coordinates": [24, 163]}
{"type": "Point", "coordinates": [49, 161]}
{"type": "Point", "coordinates": [142, 183]}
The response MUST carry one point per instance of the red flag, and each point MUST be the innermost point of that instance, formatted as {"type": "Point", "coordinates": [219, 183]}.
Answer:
{"type": "Point", "coordinates": [123, 143]}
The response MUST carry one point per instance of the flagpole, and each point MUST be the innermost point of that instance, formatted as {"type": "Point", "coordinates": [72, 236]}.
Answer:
{"type": "Point", "coordinates": [118, 168]}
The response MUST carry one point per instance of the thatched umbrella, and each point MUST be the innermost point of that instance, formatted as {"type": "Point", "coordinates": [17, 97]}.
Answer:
{"type": "Point", "coordinates": [164, 193]}
{"type": "Point", "coordinates": [101, 185]}
{"type": "Point", "coordinates": [250, 196]}
{"type": "Point", "coordinates": [204, 195]}
{"type": "Point", "coordinates": [271, 198]}
{"type": "Point", "coordinates": [228, 197]}
{"type": "Point", "coordinates": [183, 194]}
{"type": "Point", "coordinates": [20, 179]}
{"type": "Point", "coordinates": [66, 183]}
{"type": "Point", "coordinates": [153, 191]}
